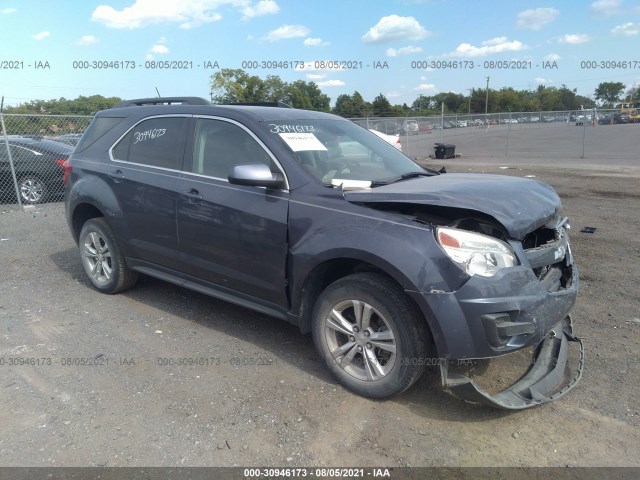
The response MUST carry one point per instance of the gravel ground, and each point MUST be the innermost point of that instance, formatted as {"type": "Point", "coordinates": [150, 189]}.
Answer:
{"type": "Point", "coordinates": [180, 379]}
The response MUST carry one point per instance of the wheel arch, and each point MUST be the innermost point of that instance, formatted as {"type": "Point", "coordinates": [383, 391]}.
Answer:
{"type": "Point", "coordinates": [328, 271]}
{"type": "Point", "coordinates": [81, 214]}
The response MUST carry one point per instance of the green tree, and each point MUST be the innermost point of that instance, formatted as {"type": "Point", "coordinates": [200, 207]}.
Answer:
{"type": "Point", "coordinates": [352, 106]}
{"type": "Point", "coordinates": [237, 86]}
{"type": "Point", "coordinates": [381, 106]}
{"type": "Point", "coordinates": [608, 93]}
{"type": "Point", "coordinates": [307, 95]}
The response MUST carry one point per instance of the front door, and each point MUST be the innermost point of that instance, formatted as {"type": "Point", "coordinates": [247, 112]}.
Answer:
{"type": "Point", "coordinates": [232, 235]}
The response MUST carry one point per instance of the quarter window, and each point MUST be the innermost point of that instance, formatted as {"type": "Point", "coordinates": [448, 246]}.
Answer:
{"type": "Point", "coordinates": [221, 145]}
{"type": "Point", "coordinates": [157, 142]}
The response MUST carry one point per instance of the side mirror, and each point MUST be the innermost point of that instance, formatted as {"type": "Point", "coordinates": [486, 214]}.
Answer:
{"type": "Point", "coordinates": [255, 175]}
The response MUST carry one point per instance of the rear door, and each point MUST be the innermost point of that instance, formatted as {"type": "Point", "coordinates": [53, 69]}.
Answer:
{"type": "Point", "coordinates": [144, 170]}
{"type": "Point", "coordinates": [232, 235]}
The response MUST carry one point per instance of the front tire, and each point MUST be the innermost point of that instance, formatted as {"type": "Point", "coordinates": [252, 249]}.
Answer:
{"type": "Point", "coordinates": [102, 258]}
{"type": "Point", "coordinates": [370, 335]}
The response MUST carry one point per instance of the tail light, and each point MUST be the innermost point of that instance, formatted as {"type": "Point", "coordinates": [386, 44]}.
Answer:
{"type": "Point", "coordinates": [66, 168]}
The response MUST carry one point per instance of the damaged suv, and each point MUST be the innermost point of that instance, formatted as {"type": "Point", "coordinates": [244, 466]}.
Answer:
{"type": "Point", "coordinates": [311, 218]}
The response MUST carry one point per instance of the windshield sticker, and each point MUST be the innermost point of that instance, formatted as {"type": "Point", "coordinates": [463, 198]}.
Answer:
{"type": "Point", "coordinates": [148, 134]}
{"type": "Point", "coordinates": [302, 142]}
{"type": "Point", "coordinates": [273, 128]}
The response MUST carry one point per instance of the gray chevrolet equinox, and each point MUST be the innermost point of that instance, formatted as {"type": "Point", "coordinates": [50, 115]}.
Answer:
{"type": "Point", "coordinates": [311, 218]}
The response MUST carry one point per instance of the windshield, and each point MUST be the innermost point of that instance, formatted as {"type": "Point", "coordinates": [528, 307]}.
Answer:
{"type": "Point", "coordinates": [339, 152]}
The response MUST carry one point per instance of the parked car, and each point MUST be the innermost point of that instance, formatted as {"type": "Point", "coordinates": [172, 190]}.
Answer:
{"type": "Point", "coordinates": [38, 165]}
{"type": "Point", "coordinates": [68, 138]}
{"type": "Point", "coordinates": [351, 150]}
{"type": "Point", "coordinates": [425, 127]}
{"type": "Point", "coordinates": [389, 265]}
{"type": "Point", "coordinates": [391, 139]}
{"type": "Point", "coordinates": [606, 119]}
{"type": "Point", "coordinates": [411, 127]}
{"type": "Point", "coordinates": [620, 118]}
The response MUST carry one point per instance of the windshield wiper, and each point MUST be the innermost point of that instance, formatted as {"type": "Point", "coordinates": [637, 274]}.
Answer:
{"type": "Point", "coordinates": [404, 176]}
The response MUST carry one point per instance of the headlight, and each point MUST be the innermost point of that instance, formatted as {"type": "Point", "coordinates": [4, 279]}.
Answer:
{"type": "Point", "coordinates": [474, 253]}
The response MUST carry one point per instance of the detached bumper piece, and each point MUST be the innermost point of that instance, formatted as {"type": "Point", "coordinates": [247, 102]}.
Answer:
{"type": "Point", "coordinates": [542, 382]}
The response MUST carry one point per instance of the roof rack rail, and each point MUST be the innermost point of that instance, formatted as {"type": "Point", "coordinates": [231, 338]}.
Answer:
{"type": "Point", "coordinates": [260, 104]}
{"type": "Point", "coordinates": [162, 101]}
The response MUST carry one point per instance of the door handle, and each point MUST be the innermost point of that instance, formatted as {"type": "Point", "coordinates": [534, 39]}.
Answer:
{"type": "Point", "coordinates": [193, 195]}
{"type": "Point", "coordinates": [117, 176]}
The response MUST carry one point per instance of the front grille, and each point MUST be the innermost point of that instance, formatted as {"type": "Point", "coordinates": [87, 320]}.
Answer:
{"type": "Point", "coordinates": [549, 254]}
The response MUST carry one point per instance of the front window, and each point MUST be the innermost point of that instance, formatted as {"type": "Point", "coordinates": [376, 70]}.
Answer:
{"type": "Point", "coordinates": [338, 152]}
{"type": "Point", "coordinates": [221, 145]}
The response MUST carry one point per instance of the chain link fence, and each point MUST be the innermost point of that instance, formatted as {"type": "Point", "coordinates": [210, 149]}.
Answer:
{"type": "Point", "coordinates": [33, 149]}
{"type": "Point", "coordinates": [577, 134]}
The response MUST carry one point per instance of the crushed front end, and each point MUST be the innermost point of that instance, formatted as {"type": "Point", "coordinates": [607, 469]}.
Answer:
{"type": "Point", "coordinates": [524, 301]}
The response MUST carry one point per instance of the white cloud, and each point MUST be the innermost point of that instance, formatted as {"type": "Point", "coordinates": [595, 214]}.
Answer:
{"type": "Point", "coordinates": [7, 11]}
{"type": "Point", "coordinates": [488, 47]}
{"type": "Point", "coordinates": [552, 57]}
{"type": "Point", "coordinates": [41, 35]}
{"type": "Point", "coordinates": [392, 52]}
{"type": "Point", "coordinates": [393, 94]}
{"type": "Point", "coordinates": [394, 27]}
{"type": "Point", "coordinates": [314, 76]}
{"type": "Point", "coordinates": [161, 49]}
{"type": "Point", "coordinates": [315, 42]}
{"type": "Point", "coordinates": [425, 87]}
{"type": "Point", "coordinates": [541, 80]}
{"type": "Point", "coordinates": [331, 83]}
{"type": "Point", "coordinates": [286, 32]}
{"type": "Point", "coordinates": [536, 18]}
{"type": "Point", "coordinates": [263, 7]}
{"type": "Point", "coordinates": [87, 40]}
{"type": "Point", "coordinates": [142, 13]}
{"type": "Point", "coordinates": [574, 38]}
{"type": "Point", "coordinates": [628, 29]}
{"type": "Point", "coordinates": [606, 8]}
{"type": "Point", "coordinates": [609, 8]}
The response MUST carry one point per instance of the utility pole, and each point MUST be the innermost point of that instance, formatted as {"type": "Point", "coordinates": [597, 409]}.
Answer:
{"type": "Point", "coordinates": [470, 90]}
{"type": "Point", "coordinates": [486, 106]}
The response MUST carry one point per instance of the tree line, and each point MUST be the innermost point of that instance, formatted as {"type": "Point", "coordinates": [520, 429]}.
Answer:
{"type": "Point", "coordinates": [237, 86]}
{"type": "Point", "coordinates": [63, 106]}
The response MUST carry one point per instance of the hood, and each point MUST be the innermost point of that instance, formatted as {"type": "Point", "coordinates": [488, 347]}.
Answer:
{"type": "Point", "coordinates": [521, 205]}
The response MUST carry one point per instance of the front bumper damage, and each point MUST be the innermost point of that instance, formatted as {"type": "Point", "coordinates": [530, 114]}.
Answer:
{"type": "Point", "coordinates": [543, 382]}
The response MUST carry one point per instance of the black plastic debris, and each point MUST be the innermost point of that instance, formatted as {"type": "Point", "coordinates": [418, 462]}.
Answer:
{"type": "Point", "coordinates": [588, 230]}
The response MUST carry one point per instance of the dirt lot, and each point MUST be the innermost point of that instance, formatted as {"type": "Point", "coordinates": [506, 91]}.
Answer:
{"type": "Point", "coordinates": [262, 396]}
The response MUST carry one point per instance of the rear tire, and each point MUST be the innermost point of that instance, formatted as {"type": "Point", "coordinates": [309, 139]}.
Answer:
{"type": "Point", "coordinates": [102, 258]}
{"type": "Point", "coordinates": [370, 335]}
{"type": "Point", "coordinates": [32, 189]}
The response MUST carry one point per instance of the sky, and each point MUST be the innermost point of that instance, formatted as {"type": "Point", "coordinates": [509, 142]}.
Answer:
{"type": "Point", "coordinates": [400, 48]}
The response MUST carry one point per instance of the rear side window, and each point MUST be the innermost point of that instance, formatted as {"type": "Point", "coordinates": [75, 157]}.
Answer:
{"type": "Point", "coordinates": [97, 128]}
{"type": "Point", "coordinates": [157, 142]}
